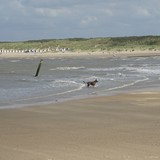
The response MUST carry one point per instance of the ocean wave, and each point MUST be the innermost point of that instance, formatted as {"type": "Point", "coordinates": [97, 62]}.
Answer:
{"type": "Point", "coordinates": [147, 70]}
{"type": "Point", "coordinates": [105, 69]}
{"type": "Point", "coordinates": [13, 61]}
{"type": "Point", "coordinates": [100, 69]}
{"type": "Point", "coordinates": [141, 58]}
{"type": "Point", "coordinates": [67, 68]}
{"type": "Point", "coordinates": [63, 83]}
{"type": "Point", "coordinates": [126, 85]}
{"type": "Point", "coordinates": [77, 88]}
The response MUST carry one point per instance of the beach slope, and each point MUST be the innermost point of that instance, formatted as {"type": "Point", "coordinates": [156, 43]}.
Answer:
{"type": "Point", "coordinates": [121, 127]}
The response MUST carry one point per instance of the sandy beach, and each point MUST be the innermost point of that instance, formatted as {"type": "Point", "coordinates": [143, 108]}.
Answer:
{"type": "Point", "coordinates": [69, 54]}
{"type": "Point", "coordinates": [120, 127]}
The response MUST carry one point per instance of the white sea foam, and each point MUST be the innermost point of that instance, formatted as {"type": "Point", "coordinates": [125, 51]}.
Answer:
{"type": "Point", "coordinates": [145, 70]}
{"type": "Point", "coordinates": [63, 83]}
{"type": "Point", "coordinates": [91, 78]}
{"type": "Point", "coordinates": [77, 88]}
{"type": "Point", "coordinates": [106, 69]}
{"type": "Point", "coordinates": [126, 85]}
{"type": "Point", "coordinates": [101, 69]}
{"type": "Point", "coordinates": [17, 60]}
{"type": "Point", "coordinates": [67, 68]}
{"type": "Point", "coordinates": [141, 58]}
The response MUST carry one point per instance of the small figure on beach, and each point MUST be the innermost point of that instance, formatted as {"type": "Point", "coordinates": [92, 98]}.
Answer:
{"type": "Point", "coordinates": [91, 83]}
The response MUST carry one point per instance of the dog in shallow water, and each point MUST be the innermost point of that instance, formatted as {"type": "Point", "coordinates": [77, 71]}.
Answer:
{"type": "Point", "coordinates": [91, 83]}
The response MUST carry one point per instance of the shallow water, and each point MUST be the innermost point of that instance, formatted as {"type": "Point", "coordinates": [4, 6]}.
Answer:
{"type": "Point", "coordinates": [62, 78]}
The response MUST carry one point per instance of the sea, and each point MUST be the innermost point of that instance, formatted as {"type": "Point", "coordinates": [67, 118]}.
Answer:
{"type": "Point", "coordinates": [61, 79]}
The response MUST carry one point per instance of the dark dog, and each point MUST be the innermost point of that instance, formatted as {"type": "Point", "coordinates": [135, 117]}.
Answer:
{"type": "Point", "coordinates": [91, 83]}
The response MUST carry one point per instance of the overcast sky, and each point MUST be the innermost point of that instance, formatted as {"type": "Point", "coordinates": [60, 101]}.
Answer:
{"type": "Point", "coordinates": [54, 19]}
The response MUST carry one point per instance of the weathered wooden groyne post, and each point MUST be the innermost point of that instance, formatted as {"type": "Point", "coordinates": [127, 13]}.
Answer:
{"type": "Point", "coordinates": [39, 67]}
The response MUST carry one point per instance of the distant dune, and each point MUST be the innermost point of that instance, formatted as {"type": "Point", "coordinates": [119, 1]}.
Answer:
{"type": "Point", "coordinates": [108, 44]}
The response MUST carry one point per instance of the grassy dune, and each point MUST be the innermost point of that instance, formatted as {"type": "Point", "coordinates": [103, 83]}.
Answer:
{"type": "Point", "coordinates": [90, 44]}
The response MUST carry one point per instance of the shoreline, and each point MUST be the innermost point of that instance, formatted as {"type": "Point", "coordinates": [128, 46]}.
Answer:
{"type": "Point", "coordinates": [113, 127]}
{"type": "Point", "coordinates": [123, 126]}
{"type": "Point", "coordinates": [81, 98]}
{"type": "Point", "coordinates": [75, 55]}
{"type": "Point", "coordinates": [67, 54]}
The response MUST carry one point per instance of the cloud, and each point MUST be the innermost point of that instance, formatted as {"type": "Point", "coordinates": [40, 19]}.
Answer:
{"type": "Point", "coordinates": [88, 20]}
{"type": "Point", "coordinates": [48, 12]}
{"type": "Point", "coordinates": [77, 18]}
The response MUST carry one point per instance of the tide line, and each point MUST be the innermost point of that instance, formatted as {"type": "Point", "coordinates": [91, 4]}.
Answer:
{"type": "Point", "coordinates": [126, 85]}
{"type": "Point", "coordinates": [50, 95]}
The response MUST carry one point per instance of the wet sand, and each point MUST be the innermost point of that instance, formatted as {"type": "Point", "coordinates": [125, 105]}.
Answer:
{"type": "Point", "coordinates": [120, 127]}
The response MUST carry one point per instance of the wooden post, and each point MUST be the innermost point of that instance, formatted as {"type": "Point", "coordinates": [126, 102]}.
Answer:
{"type": "Point", "coordinates": [39, 67]}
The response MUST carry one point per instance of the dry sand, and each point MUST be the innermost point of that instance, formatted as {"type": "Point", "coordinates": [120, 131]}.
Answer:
{"type": "Point", "coordinates": [121, 127]}
{"type": "Point", "coordinates": [81, 54]}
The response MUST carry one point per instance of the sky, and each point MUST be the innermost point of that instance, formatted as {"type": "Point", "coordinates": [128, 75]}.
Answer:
{"type": "Point", "coordinates": [22, 20]}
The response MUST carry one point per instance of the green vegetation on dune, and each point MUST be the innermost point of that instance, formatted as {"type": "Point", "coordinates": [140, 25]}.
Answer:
{"type": "Point", "coordinates": [89, 44]}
